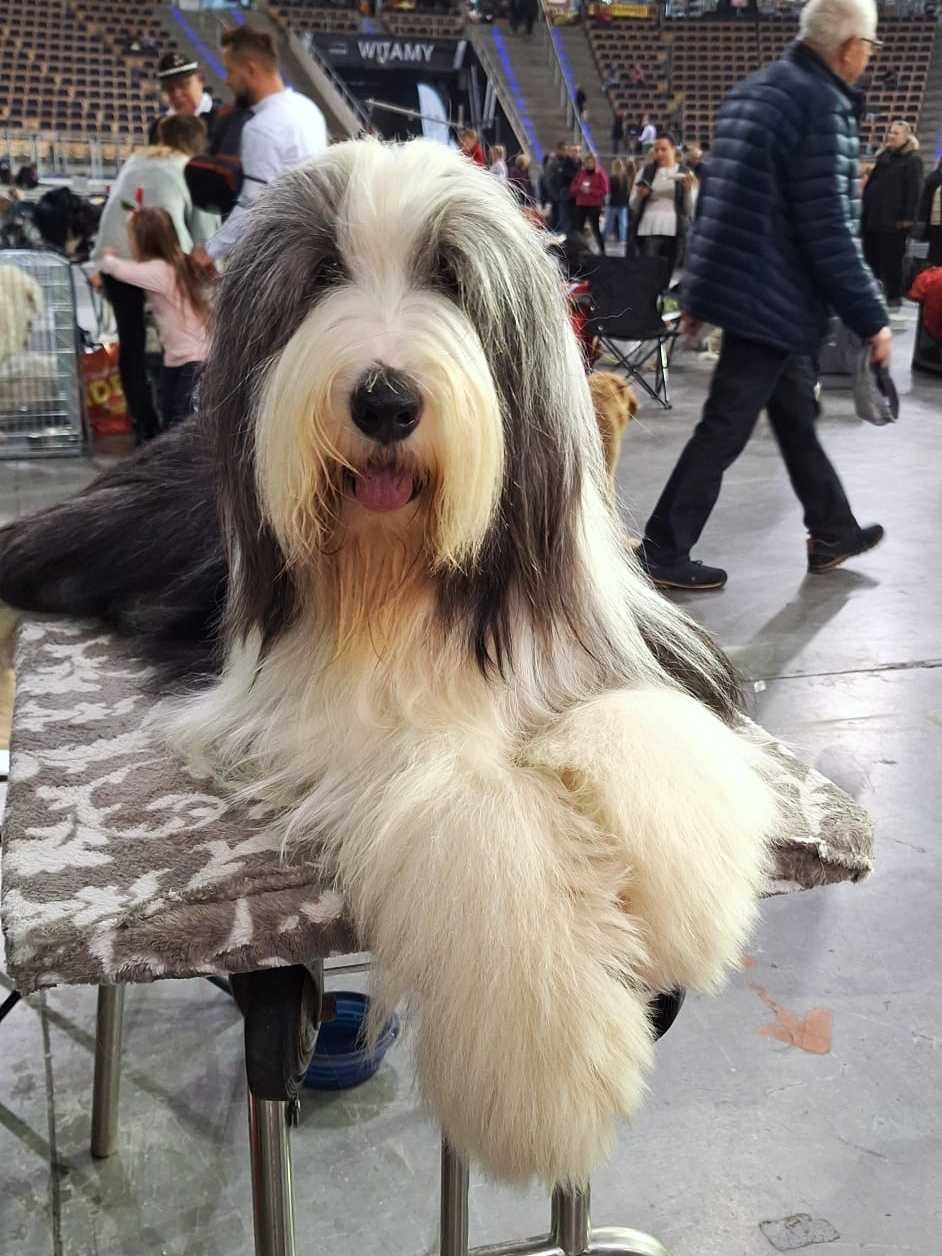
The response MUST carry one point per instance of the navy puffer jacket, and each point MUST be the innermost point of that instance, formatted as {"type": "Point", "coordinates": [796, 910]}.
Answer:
{"type": "Point", "coordinates": [775, 245]}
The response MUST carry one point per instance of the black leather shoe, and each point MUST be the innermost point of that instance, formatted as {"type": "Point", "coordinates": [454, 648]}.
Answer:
{"type": "Point", "coordinates": [825, 555]}
{"type": "Point", "coordinates": [687, 574]}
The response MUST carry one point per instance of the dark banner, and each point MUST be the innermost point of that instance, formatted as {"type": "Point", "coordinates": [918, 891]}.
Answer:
{"type": "Point", "coordinates": [385, 52]}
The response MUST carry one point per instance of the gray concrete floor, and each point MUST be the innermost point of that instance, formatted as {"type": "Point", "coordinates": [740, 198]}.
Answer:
{"type": "Point", "coordinates": [739, 1129]}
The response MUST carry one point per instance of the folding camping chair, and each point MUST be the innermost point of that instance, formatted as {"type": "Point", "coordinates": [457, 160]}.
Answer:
{"type": "Point", "coordinates": [626, 307]}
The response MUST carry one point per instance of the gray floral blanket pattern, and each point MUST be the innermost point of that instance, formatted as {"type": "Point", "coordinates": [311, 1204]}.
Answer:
{"type": "Point", "coordinates": [120, 865]}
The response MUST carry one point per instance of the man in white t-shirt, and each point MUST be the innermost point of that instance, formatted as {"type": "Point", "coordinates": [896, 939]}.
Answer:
{"type": "Point", "coordinates": [285, 130]}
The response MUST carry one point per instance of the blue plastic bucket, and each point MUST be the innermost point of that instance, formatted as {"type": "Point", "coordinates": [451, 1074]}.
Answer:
{"type": "Point", "coordinates": [341, 1060]}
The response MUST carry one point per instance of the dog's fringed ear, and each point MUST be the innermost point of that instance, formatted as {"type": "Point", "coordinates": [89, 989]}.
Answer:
{"type": "Point", "coordinates": [511, 293]}
{"type": "Point", "coordinates": [270, 284]}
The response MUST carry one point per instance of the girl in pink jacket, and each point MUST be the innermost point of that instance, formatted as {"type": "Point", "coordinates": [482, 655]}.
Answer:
{"type": "Point", "coordinates": [177, 296]}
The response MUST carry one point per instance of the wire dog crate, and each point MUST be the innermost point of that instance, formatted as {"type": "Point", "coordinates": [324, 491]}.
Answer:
{"type": "Point", "coordinates": [40, 392]}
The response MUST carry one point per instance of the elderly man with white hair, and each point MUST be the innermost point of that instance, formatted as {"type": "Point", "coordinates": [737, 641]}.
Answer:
{"type": "Point", "coordinates": [775, 248]}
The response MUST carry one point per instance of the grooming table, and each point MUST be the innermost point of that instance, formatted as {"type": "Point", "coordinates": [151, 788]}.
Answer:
{"type": "Point", "coordinates": [120, 865]}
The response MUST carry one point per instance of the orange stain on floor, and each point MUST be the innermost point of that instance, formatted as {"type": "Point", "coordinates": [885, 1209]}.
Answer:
{"type": "Point", "coordinates": [808, 1031]}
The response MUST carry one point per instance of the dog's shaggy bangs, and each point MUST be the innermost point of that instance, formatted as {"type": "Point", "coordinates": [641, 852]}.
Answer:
{"type": "Point", "coordinates": [374, 228]}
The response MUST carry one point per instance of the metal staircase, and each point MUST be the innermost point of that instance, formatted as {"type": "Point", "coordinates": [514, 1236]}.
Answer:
{"type": "Point", "coordinates": [533, 85]}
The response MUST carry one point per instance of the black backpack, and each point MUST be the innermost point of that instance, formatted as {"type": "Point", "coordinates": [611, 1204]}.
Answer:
{"type": "Point", "coordinates": [215, 178]}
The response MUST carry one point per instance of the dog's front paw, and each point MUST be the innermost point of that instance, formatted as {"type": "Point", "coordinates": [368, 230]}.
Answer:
{"type": "Point", "coordinates": [685, 799]}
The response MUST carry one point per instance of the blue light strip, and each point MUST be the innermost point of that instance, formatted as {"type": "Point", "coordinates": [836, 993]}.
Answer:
{"type": "Point", "coordinates": [516, 94]}
{"type": "Point", "coordinates": [571, 83]}
{"type": "Point", "coordinates": [207, 56]}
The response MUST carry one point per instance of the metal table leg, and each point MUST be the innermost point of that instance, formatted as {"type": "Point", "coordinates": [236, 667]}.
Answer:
{"type": "Point", "coordinates": [454, 1204]}
{"type": "Point", "coordinates": [571, 1232]}
{"type": "Point", "coordinates": [107, 1070]}
{"type": "Point", "coordinates": [281, 1010]}
{"type": "Point", "coordinates": [570, 1221]}
{"type": "Point", "coordinates": [272, 1193]}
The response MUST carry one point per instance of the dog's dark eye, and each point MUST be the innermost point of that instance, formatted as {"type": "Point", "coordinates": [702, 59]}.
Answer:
{"type": "Point", "coordinates": [445, 275]}
{"type": "Point", "coordinates": [329, 271]}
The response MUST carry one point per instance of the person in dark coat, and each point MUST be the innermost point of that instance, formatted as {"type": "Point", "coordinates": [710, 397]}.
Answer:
{"type": "Point", "coordinates": [929, 215]}
{"type": "Point", "coordinates": [183, 88]}
{"type": "Point", "coordinates": [773, 249]}
{"type": "Point", "coordinates": [562, 170]}
{"type": "Point", "coordinates": [618, 132]}
{"type": "Point", "coordinates": [520, 181]}
{"type": "Point", "coordinates": [890, 202]}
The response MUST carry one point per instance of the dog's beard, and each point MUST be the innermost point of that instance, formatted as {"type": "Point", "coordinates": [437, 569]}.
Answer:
{"type": "Point", "coordinates": [367, 527]}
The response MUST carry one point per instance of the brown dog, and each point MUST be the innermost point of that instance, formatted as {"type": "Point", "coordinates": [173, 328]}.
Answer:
{"type": "Point", "coordinates": [615, 406]}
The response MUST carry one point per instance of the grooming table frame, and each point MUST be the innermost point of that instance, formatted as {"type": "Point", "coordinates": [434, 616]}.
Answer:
{"type": "Point", "coordinates": [281, 1008]}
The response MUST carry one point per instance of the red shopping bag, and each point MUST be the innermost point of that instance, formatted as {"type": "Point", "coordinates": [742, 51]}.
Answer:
{"type": "Point", "coordinates": [105, 405]}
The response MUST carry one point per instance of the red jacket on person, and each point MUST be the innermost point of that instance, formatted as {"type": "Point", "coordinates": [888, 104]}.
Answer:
{"type": "Point", "coordinates": [927, 290]}
{"type": "Point", "coordinates": [590, 188]}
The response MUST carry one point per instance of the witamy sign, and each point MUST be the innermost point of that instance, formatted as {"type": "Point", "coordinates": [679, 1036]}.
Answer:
{"type": "Point", "coordinates": [440, 55]}
{"type": "Point", "coordinates": [386, 50]}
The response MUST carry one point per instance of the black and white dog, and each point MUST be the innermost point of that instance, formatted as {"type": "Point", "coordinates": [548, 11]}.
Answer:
{"type": "Point", "coordinates": [429, 647]}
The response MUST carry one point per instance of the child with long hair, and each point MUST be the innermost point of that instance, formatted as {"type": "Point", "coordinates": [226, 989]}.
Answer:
{"type": "Point", "coordinates": [176, 289]}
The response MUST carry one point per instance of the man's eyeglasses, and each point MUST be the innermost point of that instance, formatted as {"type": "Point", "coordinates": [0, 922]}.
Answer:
{"type": "Point", "coordinates": [874, 43]}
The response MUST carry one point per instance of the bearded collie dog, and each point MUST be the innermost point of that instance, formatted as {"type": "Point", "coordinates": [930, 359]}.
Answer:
{"type": "Point", "coordinates": [386, 556]}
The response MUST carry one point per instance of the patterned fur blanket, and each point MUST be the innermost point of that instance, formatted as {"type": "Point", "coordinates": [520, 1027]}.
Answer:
{"type": "Point", "coordinates": [120, 866]}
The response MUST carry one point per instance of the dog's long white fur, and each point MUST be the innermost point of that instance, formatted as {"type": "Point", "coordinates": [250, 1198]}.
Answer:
{"type": "Point", "coordinates": [528, 858]}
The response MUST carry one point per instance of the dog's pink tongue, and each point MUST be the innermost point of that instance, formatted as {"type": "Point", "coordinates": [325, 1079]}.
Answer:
{"type": "Point", "coordinates": [383, 489]}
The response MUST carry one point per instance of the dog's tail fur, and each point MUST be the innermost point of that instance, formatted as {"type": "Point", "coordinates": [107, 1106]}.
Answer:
{"type": "Point", "coordinates": [492, 904]}
{"type": "Point", "coordinates": [141, 548]}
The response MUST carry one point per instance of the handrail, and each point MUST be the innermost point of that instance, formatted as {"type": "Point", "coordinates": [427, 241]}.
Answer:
{"type": "Point", "coordinates": [317, 67]}
{"type": "Point", "coordinates": [566, 94]}
{"type": "Point", "coordinates": [372, 103]}
{"type": "Point", "coordinates": [494, 75]}
{"type": "Point", "coordinates": [306, 48]}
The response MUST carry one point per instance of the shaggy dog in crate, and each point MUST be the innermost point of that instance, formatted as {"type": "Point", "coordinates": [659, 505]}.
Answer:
{"type": "Point", "coordinates": [21, 302]}
{"type": "Point", "coordinates": [437, 658]}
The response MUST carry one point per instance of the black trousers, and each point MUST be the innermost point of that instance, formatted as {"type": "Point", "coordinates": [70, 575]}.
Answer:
{"type": "Point", "coordinates": [177, 384]}
{"type": "Point", "coordinates": [590, 214]}
{"type": "Point", "coordinates": [884, 251]}
{"type": "Point", "coordinates": [128, 305]}
{"type": "Point", "coordinates": [659, 246]}
{"type": "Point", "coordinates": [934, 236]}
{"type": "Point", "coordinates": [749, 377]}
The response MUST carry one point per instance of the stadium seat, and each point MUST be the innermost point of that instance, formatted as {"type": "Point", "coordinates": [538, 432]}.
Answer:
{"type": "Point", "coordinates": [689, 65]}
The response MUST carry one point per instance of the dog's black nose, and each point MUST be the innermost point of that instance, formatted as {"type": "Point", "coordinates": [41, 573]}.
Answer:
{"type": "Point", "coordinates": [385, 406]}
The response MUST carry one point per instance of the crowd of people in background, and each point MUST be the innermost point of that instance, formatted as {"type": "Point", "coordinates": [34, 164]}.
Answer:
{"type": "Point", "coordinates": [178, 207]}
{"type": "Point", "coordinates": [159, 244]}
{"type": "Point", "coordinates": [641, 204]}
